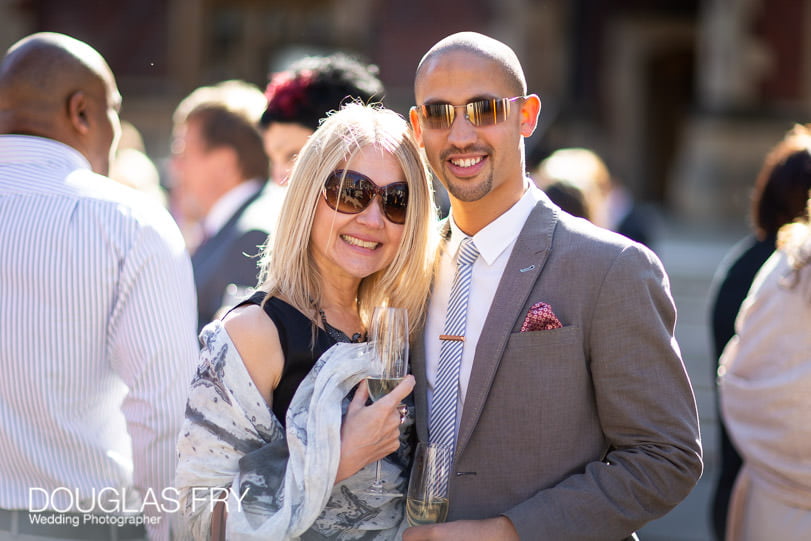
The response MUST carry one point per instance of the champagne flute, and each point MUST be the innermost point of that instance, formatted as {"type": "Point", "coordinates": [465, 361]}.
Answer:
{"type": "Point", "coordinates": [388, 338]}
{"type": "Point", "coordinates": [427, 498]}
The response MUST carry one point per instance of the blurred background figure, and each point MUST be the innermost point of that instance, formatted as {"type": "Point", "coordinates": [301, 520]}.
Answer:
{"type": "Point", "coordinates": [576, 179]}
{"type": "Point", "coordinates": [778, 198]}
{"type": "Point", "coordinates": [299, 97]}
{"type": "Point", "coordinates": [564, 193]}
{"type": "Point", "coordinates": [219, 169]}
{"type": "Point", "coordinates": [579, 181]}
{"type": "Point", "coordinates": [765, 390]}
{"type": "Point", "coordinates": [569, 197]}
{"type": "Point", "coordinates": [132, 167]}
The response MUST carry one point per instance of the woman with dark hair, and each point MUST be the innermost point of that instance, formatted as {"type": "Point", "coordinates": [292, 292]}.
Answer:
{"type": "Point", "coordinates": [778, 197]}
{"type": "Point", "coordinates": [301, 96]}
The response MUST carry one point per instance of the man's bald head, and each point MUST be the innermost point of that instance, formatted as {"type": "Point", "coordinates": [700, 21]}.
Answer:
{"type": "Point", "coordinates": [55, 86]}
{"type": "Point", "coordinates": [483, 46]}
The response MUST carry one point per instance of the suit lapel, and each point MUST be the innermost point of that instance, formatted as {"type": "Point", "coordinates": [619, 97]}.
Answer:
{"type": "Point", "coordinates": [203, 251]}
{"type": "Point", "coordinates": [420, 390]}
{"type": "Point", "coordinates": [520, 275]}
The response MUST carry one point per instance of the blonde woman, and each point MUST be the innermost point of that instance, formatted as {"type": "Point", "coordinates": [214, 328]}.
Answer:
{"type": "Point", "coordinates": [270, 430]}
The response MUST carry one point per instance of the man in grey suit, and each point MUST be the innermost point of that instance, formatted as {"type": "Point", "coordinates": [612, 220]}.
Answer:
{"type": "Point", "coordinates": [220, 168]}
{"type": "Point", "coordinates": [574, 418]}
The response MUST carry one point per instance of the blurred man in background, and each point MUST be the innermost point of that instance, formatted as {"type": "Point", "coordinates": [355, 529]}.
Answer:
{"type": "Point", "coordinates": [219, 169]}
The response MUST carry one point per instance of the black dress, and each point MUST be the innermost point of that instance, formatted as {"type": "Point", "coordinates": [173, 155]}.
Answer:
{"type": "Point", "coordinates": [302, 344]}
{"type": "Point", "coordinates": [733, 280]}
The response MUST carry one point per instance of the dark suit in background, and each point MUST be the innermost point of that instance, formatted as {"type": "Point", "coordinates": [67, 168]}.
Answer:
{"type": "Point", "coordinates": [733, 279]}
{"type": "Point", "coordinates": [219, 166]}
{"type": "Point", "coordinates": [230, 257]}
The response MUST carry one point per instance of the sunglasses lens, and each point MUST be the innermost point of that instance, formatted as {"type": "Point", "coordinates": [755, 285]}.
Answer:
{"type": "Point", "coordinates": [348, 194]}
{"type": "Point", "coordinates": [438, 115]}
{"type": "Point", "coordinates": [395, 202]}
{"type": "Point", "coordinates": [352, 192]}
{"type": "Point", "coordinates": [488, 112]}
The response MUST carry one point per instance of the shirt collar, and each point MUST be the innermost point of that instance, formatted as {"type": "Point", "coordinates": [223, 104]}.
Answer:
{"type": "Point", "coordinates": [25, 148]}
{"type": "Point", "coordinates": [496, 236]}
{"type": "Point", "coordinates": [228, 204]}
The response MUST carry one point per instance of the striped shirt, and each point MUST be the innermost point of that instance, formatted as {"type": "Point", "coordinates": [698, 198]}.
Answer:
{"type": "Point", "coordinates": [97, 334]}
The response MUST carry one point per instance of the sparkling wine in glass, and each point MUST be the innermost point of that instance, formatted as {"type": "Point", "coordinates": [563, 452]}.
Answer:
{"type": "Point", "coordinates": [388, 338]}
{"type": "Point", "coordinates": [381, 386]}
{"type": "Point", "coordinates": [427, 498]}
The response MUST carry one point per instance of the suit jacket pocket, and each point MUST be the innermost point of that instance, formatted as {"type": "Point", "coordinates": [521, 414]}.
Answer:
{"type": "Point", "coordinates": [541, 397]}
{"type": "Point", "coordinates": [553, 339]}
{"type": "Point", "coordinates": [552, 362]}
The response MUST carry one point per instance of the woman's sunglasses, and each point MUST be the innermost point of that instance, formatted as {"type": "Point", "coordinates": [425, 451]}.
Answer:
{"type": "Point", "coordinates": [351, 192]}
{"type": "Point", "coordinates": [440, 116]}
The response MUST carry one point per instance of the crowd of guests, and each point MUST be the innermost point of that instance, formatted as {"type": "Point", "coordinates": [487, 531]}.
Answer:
{"type": "Point", "coordinates": [212, 341]}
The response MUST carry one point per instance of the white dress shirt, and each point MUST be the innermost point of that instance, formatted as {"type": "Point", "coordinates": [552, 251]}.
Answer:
{"type": "Point", "coordinates": [97, 334]}
{"type": "Point", "coordinates": [495, 243]}
{"type": "Point", "coordinates": [227, 205]}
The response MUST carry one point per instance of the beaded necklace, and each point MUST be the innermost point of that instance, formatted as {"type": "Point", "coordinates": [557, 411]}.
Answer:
{"type": "Point", "coordinates": [337, 334]}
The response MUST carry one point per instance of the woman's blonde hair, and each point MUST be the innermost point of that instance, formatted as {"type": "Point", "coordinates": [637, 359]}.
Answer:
{"type": "Point", "coordinates": [287, 266]}
{"type": "Point", "coordinates": [795, 240]}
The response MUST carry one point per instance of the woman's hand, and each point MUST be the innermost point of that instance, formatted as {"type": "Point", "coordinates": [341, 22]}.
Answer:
{"type": "Point", "coordinates": [372, 432]}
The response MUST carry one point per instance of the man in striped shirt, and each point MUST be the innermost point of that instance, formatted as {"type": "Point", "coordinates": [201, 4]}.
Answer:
{"type": "Point", "coordinates": [97, 311]}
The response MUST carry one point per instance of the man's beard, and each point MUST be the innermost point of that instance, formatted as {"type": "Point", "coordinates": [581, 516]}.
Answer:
{"type": "Point", "coordinates": [469, 190]}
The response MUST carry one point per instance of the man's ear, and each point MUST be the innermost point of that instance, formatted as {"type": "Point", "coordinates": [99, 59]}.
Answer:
{"type": "Point", "coordinates": [415, 125]}
{"type": "Point", "coordinates": [530, 110]}
{"type": "Point", "coordinates": [77, 112]}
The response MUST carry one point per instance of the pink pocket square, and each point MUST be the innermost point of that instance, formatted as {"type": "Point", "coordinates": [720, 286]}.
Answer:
{"type": "Point", "coordinates": [540, 318]}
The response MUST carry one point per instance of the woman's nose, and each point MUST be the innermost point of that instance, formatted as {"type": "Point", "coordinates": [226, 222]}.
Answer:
{"type": "Point", "coordinates": [372, 216]}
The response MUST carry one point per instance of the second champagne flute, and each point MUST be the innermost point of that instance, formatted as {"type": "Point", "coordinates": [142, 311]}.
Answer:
{"type": "Point", "coordinates": [427, 499]}
{"type": "Point", "coordinates": [388, 338]}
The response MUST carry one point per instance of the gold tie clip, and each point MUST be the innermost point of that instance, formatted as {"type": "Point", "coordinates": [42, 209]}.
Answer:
{"type": "Point", "coordinates": [452, 337]}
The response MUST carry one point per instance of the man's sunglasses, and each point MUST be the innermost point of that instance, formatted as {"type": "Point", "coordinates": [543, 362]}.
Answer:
{"type": "Point", "coordinates": [351, 192]}
{"type": "Point", "coordinates": [486, 112]}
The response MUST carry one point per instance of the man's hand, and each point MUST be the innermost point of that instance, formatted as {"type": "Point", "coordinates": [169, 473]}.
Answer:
{"type": "Point", "coordinates": [491, 529]}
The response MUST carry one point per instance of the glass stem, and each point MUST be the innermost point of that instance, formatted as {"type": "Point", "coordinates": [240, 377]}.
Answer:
{"type": "Point", "coordinates": [378, 471]}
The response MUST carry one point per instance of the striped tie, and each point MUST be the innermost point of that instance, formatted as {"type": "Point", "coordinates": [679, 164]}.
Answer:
{"type": "Point", "coordinates": [446, 391]}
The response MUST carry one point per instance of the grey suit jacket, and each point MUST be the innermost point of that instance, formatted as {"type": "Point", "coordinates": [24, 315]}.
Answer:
{"type": "Point", "coordinates": [230, 256]}
{"type": "Point", "coordinates": [583, 432]}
